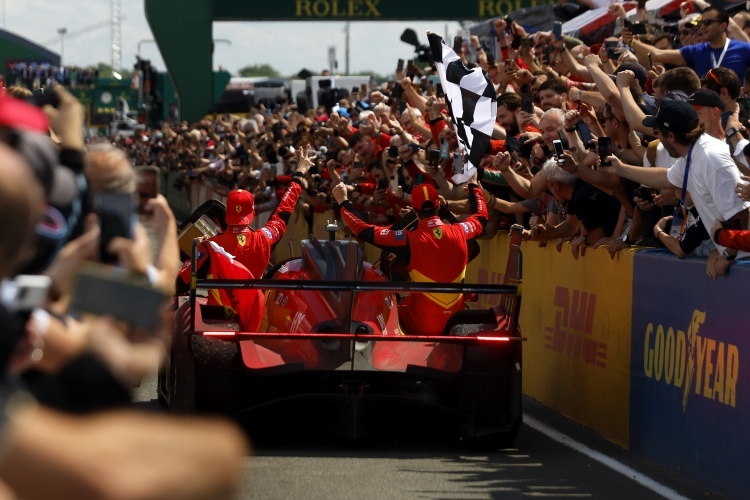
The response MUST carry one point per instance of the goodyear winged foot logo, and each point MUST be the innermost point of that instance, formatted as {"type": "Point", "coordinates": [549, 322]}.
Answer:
{"type": "Point", "coordinates": [695, 364]}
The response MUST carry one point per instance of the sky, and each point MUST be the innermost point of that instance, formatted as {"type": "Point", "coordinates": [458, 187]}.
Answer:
{"type": "Point", "coordinates": [287, 46]}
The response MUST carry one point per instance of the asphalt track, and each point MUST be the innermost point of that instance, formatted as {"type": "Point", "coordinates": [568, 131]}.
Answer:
{"type": "Point", "coordinates": [426, 467]}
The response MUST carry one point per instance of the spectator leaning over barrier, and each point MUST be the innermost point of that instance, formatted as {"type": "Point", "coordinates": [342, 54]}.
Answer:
{"type": "Point", "coordinates": [704, 166]}
{"type": "Point", "coordinates": [588, 210]}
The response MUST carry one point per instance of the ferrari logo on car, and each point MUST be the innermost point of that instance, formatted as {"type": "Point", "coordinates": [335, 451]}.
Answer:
{"type": "Point", "coordinates": [241, 239]}
{"type": "Point", "coordinates": [438, 232]}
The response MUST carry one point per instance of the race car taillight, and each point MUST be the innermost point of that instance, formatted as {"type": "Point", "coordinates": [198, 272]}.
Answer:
{"type": "Point", "coordinates": [484, 338]}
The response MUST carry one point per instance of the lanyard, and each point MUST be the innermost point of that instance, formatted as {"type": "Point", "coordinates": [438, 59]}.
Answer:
{"type": "Point", "coordinates": [721, 57]}
{"type": "Point", "coordinates": [684, 182]}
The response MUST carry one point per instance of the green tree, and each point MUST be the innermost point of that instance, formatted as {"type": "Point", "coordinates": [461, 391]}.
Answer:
{"type": "Point", "coordinates": [259, 70]}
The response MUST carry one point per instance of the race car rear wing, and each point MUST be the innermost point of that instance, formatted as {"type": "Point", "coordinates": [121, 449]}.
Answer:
{"type": "Point", "coordinates": [510, 305]}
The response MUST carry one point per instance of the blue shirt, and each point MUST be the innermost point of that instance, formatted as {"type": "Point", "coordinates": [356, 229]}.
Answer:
{"type": "Point", "coordinates": [737, 57]}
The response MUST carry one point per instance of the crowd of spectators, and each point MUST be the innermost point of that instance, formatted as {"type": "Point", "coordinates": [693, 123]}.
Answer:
{"type": "Point", "coordinates": [33, 75]}
{"type": "Point", "coordinates": [638, 140]}
{"type": "Point", "coordinates": [548, 89]}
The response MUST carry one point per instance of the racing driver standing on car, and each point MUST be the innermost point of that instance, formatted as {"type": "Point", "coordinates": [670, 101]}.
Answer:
{"type": "Point", "coordinates": [434, 252]}
{"type": "Point", "coordinates": [252, 248]}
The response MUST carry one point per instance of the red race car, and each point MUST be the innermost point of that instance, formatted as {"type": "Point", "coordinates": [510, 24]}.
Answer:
{"type": "Point", "coordinates": [330, 355]}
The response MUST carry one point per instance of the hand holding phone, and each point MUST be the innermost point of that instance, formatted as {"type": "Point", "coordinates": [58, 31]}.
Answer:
{"type": "Point", "coordinates": [559, 150]}
{"type": "Point", "coordinates": [117, 217]}
{"type": "Point", "coordinates": [605, 150]}
{"type": "Point", "coordinates": [644, 194]}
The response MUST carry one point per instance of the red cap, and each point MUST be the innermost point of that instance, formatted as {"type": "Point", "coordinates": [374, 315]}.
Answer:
{"type": "Point", "coordinates": [423, 194]}
{"type": "Point", "coordinates": [240, 208]}
{"type": "Point", "coordinates": [211, 145]}
{"type": "Point", "coordinates": [15, 113]}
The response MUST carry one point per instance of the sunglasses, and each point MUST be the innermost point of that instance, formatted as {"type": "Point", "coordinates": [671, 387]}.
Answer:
{"type": "Point", "coordinates": [706, 22]}
{"type": "Point", "coordinates": [711, 75]}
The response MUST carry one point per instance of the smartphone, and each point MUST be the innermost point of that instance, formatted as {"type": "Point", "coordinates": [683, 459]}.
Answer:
{"type": "Point", "coordinates": [109, 291]}
{"type": "Point", "coordinates": [525, 43]}
{"type": "Point", "coordinates": [611, 47]}
{"type": "Point", "coordinates": [41, 99]}
{"type": "Point", "coordinates": [355, 90]}
{"type": "Point", "coordinates": [526, 148]}
{"type": "Point", "coordinates": [400, 65]}
{"type": "Point", "coordinates": [393, 152]}
{"type": "Point", "coordinates": [433, 157]}
{"type": "Point", "coordinates": [458, 162]}
{"type": "Point", "coordinates": [25, 292]}
{"type": "Point", "coordinates": [458, 43]}
{"type": "Point", "coordinates": [650, 61]}
{"type": "Point", "coordinates": [645, 194]}
{"type": "Point", "coordinates": [148, 187]}
{"type": "Point", "coordinates": [490, 59]}
{"type": "Point", "coordinates": [547, 55]}
{"type": "Point", "coordinates": [563, 139]}
{"type": "Point", "coordinates": [559, 148]}
{"type": "Point", "coordinates": [383, 184]}
{"type": "Point", "coordinates": [527, 106]}
{"type": "Point", "coordinates": [117, 216]}
{"type": "Point", "coordinates": [557, 30]}
{"type": "Point", "coordinates": [605, 150]}
{"type": "Point", "coordinates": [445, 150]}
{"type": "Point", "coordinates": [512, 144]}
{"type": "Point", "coordinates": [638, 28]}
{"type": "Point", "coordinates": [439, 90]}
{"type": "Point", "coordinates": [393, 183]}
{"type": "Point", "coordinates": [415, 147]}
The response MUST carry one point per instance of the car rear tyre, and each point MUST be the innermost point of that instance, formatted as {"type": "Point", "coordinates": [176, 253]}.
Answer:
{"type": "Point", "coordinates": [183, 376]}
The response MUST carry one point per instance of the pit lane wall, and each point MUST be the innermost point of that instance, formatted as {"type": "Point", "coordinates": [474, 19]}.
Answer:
{"type": "Point", "coordinates": [644, 349]}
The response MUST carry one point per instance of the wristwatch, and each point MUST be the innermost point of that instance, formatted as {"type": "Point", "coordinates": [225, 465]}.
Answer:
{"type": "Point", "coordinates": [727, 256]}
{"type": "Point", "coordinates": [731, 131]}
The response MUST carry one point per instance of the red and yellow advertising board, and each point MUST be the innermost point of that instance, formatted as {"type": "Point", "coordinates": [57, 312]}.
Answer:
{"type": "Point", "coordinates": [576, 315]}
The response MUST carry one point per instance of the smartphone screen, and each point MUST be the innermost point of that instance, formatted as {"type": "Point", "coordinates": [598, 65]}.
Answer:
{"type": "Point", "coordinates": [439, 90]}
{"type": "Point", "coordinates": [116, 212]}
{"type": "Point", "coordinates": [382, 184]}
{"type": "Point", "coordinates": [650, 61]}
{"type": "Point", "coordinates": [400, 65]}
{"type": "Point", "coordinates": [527, 106]}
{"type": "Point", "coordinates": [559, 148]}
{"type": "Point", "coordinates": [433, 157]}
{"type": "Point", "coordinates": [393, 151]}
{"type": "Point", "coordinates": [444, 149]}
{"type": "Point", "coordinates": [393, 183]}
{"type": "Point", "coordinates": [605, 150]}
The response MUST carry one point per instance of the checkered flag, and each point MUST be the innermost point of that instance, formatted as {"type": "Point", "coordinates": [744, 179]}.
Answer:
{"type": "Point", "coordinates": [472, 104]}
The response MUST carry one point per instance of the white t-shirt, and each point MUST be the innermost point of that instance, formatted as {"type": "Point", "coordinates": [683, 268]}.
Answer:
{"type": "Point", "coordinates": [711, 181]}
{"type": "Point", "coordinates": [738, 152]}
{"type": "Point", "coordinates": [663, 158]}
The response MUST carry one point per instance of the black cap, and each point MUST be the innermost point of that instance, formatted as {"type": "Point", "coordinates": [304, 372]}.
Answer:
{"type": "Point", "coordinates": [673, 115]}
{"type": "Point", "coordinates": [706, 97]}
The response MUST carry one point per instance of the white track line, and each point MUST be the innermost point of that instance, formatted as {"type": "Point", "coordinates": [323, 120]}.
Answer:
{"type": "Point", "coordinates": [603, 459]}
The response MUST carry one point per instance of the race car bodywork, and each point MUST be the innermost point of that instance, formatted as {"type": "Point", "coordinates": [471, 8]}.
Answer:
{"type": "Point", "coordinates": [330, 354]}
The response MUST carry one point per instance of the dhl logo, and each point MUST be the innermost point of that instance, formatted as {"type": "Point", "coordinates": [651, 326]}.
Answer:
{"type": "Point", "coordinates": [692, 363]}
{"type": "Point", "coordinates": [574, 326]}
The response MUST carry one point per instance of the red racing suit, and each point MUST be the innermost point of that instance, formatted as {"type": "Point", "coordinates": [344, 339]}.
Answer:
{"type": "Point", "coordinates": [434, 252]}
{"type": "Point", "coordinates": [251, 248]}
